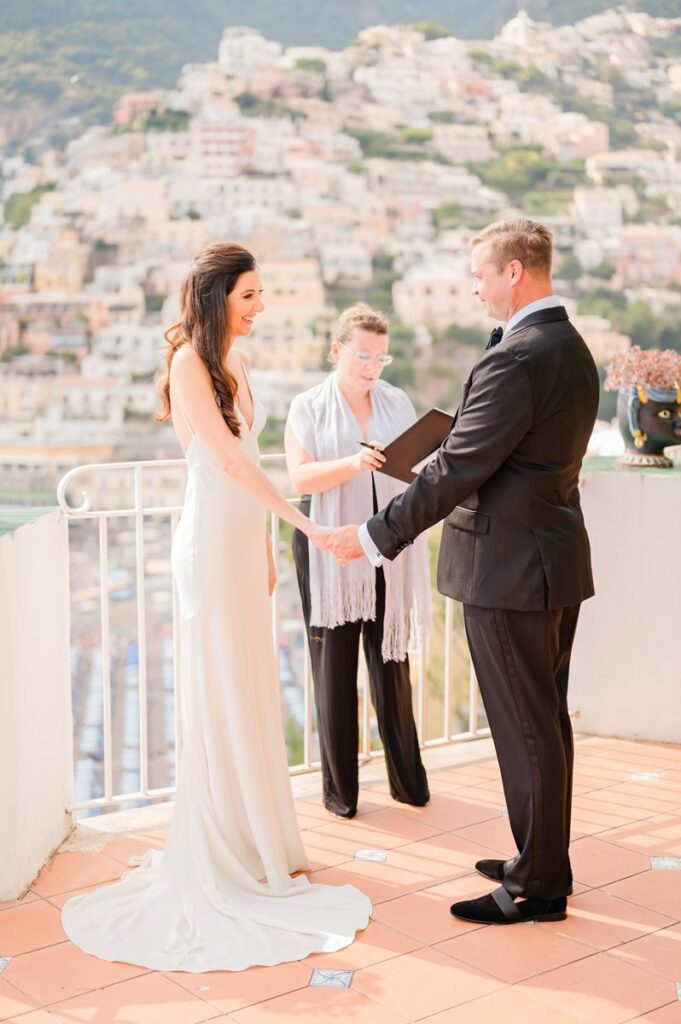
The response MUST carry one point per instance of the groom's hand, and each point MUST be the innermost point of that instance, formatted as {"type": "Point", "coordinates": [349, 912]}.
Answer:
{"type": "Point", "coordinates": [344, 544]}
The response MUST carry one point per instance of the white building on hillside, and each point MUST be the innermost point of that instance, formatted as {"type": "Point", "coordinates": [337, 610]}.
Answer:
{"type": "Point", "coordinates": [244, 51]}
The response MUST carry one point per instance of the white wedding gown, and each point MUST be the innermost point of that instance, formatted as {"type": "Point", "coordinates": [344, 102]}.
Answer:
{"type": "Point", "coordinates": [221, 895]}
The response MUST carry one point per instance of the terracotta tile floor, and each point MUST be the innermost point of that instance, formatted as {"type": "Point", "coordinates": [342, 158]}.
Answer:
{"type": "Point", "coordinates": [616, 958]}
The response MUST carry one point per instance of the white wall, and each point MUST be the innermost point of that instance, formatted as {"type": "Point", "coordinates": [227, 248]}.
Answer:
{"type": "Point", "coordinates": [36, 730]}
{"type": "Point", "coordinates": [626, 668]}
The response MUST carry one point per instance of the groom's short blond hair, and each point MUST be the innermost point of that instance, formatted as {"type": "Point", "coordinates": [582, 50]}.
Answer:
{"type": "Point", "coordinates": [518, 238]}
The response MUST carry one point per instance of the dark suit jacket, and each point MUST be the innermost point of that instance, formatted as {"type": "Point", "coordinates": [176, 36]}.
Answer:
{"type": "Point", "coordinates": [506, 478]}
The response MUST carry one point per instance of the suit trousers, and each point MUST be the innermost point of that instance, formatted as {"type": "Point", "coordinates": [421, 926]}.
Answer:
{"type": "Point", "coordinates": [522, 661]}
{"type": "Point", "coordinates": [334, 655]}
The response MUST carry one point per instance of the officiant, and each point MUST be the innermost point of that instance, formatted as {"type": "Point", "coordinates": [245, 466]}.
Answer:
{"type": "Point", "coordinates": [334, 435]}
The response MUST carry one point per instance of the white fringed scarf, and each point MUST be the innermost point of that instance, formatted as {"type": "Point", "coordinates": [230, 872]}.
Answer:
{"type": "Point", "coordinates": [325, 426]}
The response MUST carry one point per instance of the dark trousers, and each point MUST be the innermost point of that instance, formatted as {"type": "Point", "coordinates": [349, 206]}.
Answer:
{"type": "Point", "coordinates": [334, 656]}
{"type": "Point", "coordinates": [522, 661]}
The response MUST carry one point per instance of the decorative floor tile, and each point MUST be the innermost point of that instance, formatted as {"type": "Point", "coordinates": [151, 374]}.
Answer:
{"type": "Point", "coordinates": [665, 863]}
{"type": "Point", "coordinates": [377, 855]}
{"type": "Point", "coordinates": [325, 978]}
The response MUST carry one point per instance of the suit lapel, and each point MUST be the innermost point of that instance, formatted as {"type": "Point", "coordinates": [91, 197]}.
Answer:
{"type": "Point", "coordinates": [542, 316]}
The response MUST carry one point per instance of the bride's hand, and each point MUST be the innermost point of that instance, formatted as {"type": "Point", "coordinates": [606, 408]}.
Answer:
{"type": "Point", "coordinates": [319, 536]}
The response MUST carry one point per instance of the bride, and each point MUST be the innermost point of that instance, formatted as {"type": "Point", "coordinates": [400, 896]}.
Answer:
{"type": "Point", "coordinates": [222, 896]}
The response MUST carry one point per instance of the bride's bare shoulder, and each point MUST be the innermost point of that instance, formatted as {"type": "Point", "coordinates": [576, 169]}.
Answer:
{"type": "Point", "coordinates": [187, 363]}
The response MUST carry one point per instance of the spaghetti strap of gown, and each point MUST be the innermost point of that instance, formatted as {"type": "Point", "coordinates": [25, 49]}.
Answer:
{"type": "Point", "coordinates": [222, 895]}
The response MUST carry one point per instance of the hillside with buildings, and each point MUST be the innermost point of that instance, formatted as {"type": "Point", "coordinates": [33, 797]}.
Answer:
{"type": "Point", "coordinates": [352, 173]}
{"type": "Point", "coordinates": [63, 65]}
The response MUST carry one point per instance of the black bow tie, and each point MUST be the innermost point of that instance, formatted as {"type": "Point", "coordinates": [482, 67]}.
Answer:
{"type": "Point", "coordinates": [495, 337]}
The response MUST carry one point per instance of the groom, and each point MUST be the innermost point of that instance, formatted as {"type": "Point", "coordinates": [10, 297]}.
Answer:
{"type": "Point", "coordinates": [514, 550]}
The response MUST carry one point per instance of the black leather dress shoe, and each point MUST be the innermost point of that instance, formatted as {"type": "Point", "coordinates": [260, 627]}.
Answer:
{"type": "Point", "coordinates": [495, 869]}
{"type": "Point", "coordinates": [499, 907]}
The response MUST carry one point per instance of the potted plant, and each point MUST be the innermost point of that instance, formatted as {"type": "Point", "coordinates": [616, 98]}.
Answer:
{"type": "Point", "coordinates": [648, 404]}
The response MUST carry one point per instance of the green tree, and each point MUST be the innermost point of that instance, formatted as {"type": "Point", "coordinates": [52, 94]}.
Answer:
{"type": "Point", "coordinates": [448, 214]}
{"type": "Point", "coordinates": [382, 260]}
{"type": "Point", "coordinates": [441, 116]}
{"type": "Point", "coordinates": [251, 105]}
{"type": "Point", "coordinates": [416, 136]}
{"type": "Point", "coordinates": [480, 56]}
{"type": "Point", "coordinates": [311, 64]}
{"type": "Point", "coordinates": [603, 270]}
{"type": "Point", "coordinates": [520, 169]}
{"type": "Point", "coordinates": [19, 205]}
{"type": "Point", "coordinates": [165, 121]}
{"type": "Point", "coordinates": [432, 30]}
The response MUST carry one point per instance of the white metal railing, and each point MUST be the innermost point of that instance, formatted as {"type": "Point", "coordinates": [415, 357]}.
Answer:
{"type": "Point", "coordinates": [139, 511]}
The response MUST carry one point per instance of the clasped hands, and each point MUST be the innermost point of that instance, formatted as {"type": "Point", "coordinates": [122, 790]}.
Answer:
{"type": "Point", "coordinates": [341, 541]}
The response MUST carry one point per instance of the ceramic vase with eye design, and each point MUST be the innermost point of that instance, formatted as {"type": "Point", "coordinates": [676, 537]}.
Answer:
{"type": "Point", "coordinates": [649, 421]}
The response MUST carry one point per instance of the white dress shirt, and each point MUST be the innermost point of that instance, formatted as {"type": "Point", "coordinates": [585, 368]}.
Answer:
{"type": "Point", "coordinates": [370, 549]}
{"type": "Point", "coordinates": [548, 302]}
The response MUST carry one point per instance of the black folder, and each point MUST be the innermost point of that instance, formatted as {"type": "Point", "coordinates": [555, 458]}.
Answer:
{"type": "Point", "coordinates": [416, 444]}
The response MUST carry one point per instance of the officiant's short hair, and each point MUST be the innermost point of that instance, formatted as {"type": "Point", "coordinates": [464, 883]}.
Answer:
{"type": "Point", "coordinates": [518, 238]}
{"type": "Point", "coordinates": [360, 315]}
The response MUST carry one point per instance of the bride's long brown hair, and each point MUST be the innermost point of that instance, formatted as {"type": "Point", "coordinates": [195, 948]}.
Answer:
{"type": "Point", "coordinates": [204, 323]}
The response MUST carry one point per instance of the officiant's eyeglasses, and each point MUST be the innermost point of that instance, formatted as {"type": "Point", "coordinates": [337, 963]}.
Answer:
{"type": "Point", "coordinates": [367, 357]}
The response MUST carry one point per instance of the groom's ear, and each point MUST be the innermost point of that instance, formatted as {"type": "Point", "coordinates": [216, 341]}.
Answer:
{"type": "Point", "coordinates": [515, 271]}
